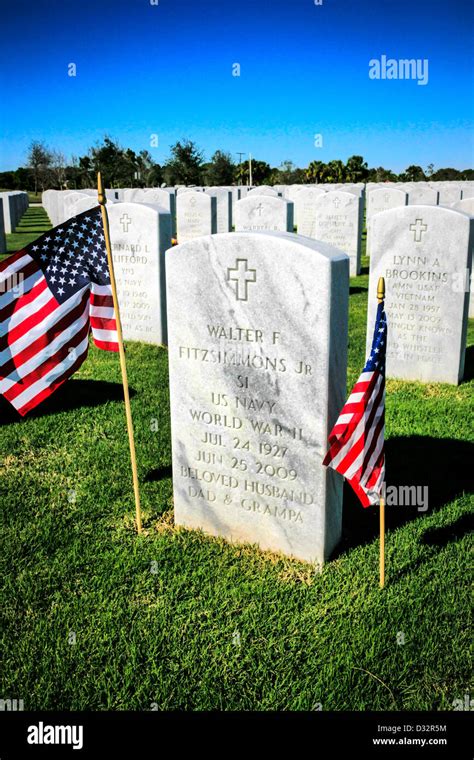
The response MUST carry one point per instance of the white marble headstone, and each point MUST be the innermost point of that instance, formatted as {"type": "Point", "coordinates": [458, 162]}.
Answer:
{"type": "Point", "coordinates": [257, 380]}
{"type": "Point", "coordinates": [382, 199]}
{"type": "Point", "coordinates": [163, 197]}
{"type": "Point", "coordinates": [223, 196]}
{"type": "Point", "coordinates": [263, 213]}
{"type": "Point", "coordinates": [424, 254]}
{"type": "Point", "coordinates": [422, 195]}
{"type": "Point", "coordinates": [338, 221]}
{"type": "Point", "coordinates": [140, 234]}
{"type": "Point", "coordinates": [305, 209]}
{"type": "Point", "coordinates": [196, 215]}
{"type": "Point", "coordinates": [3, 243]}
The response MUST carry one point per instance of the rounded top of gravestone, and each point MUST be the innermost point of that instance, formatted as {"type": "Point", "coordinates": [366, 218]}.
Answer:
{"type": "Point", "coordinates": [263, 190]}
{"type": "Point", "coordinates": [312, 191]}
{"type": "Point", "coordinates": [268, 200]}
{"type": "Point", "coordinates": [420, 228]}
{"type": "Point", "coordinates": [270, 243]}
{"type": "Point", "coordinates": [337, 198]}
{"type": "Point", "coordinates": [466, 205]}
{"type": "Point", "coordinates": [137, 208]}
{"type": "Point", "coordinates": [192, 198]}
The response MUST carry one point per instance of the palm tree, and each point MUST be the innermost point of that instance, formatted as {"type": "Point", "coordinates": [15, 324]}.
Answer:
{"type": "Point", "coordinates": [315, 171]}
{"type": "Point", "coordinates": [357, 169]}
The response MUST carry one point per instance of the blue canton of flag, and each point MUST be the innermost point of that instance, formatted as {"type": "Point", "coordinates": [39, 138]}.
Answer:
{"type": "Point", "coordinates": [52, 294]}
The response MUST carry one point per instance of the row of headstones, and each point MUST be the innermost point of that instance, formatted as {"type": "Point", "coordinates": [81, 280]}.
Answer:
{"type": "Point", "coordinates": [258, 334]}
{"type": "Point", "coordinates": [12, 207]}
{"type": "Point", "coordinates": [301, 195]}
{"type": "Point", "coordinates": [257, 329]}
{"type": "Point", "coordinates": [334, 217]}
{"type": "Point", "coordinates": [426, 270]}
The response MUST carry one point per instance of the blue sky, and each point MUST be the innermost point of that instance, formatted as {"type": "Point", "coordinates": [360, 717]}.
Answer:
{"type": "Point", "coordinates": [166, 69]}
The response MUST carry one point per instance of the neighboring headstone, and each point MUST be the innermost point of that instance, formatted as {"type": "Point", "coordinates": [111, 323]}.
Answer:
{"type": "Point", "coordinates": [196, 215]}
{"type": "Point", "coordinates": [423, 252]}
{"type": "Point", "coordinates": [263, 213]}
{"type": "Point", "coordinates": [422, 195]}
{"type": "Point", "coordinates": [223, 198]}
{"type": "Point", "coordinates": [8, 212]}
{"type": "Point", "coordinates": [85, 204]}
{"type": "Point", "coordinates": [191, 189]}
{"type": "Point", "coordinates": [467, 206]}
{"type": "Point", "coordinates": [140, 234]}
{"type": "Point", "coordinates": [133, 195]}
{"type": "Point", "coordinates": [70, 201]}
{"type": "Point", "coordinates": [382, 199]}
{"type": "Point", "coordinates": [257, 380]}
{"type": "Point", "coordinates": [305, 210]}
{"type": "Point", "coordinates": [262, 190]}
{"type": "Point", "coordinates": [448, 195]}
{"type": "Point", "coordinates": [61, 197]}
{"type": "Point", "coordinates": [163, 197]}
{"type": "Point", "coordinates": [3, 241]}
{"type": "Point", "coordinates": [339, 222]}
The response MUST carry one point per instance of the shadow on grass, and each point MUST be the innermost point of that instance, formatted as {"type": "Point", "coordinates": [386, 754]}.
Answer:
{"type": "Point", "coordinates": [356, 289]}
{"type": "Point", "coordinates": [75, 394]}
{"type": "Point", "coordinates": [441, 465]}
{"type": "Point", "coordinates": [443, 536]}
{"type": "Point", "coordinates": [161, 473]}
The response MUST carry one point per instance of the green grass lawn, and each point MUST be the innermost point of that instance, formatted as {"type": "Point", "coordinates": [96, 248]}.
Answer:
{"type": "Point", "coordinates": [182, 621]}
{"type": "Point", "coordinates": [33, 223]}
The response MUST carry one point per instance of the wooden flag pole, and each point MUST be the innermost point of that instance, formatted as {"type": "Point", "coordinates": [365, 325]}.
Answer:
{"type": "Point", "coordinates": [123, 365]}
{"type": "Point", "coordinates": [380, 298]}
{"type": "Point", "coordinates": [382, 542]}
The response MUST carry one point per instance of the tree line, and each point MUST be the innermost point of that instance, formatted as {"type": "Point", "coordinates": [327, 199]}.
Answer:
{"type": "Point", "coordinates": [46, 168]}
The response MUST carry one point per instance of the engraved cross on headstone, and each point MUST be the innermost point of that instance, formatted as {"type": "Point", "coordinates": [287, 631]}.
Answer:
{"type": "Point", "coordinates": [418, 228]}
{"type": "Point", "coordinates": [125, 221]}
{"type": "Point", "coordinates": [259, 209]}
{"type": "Point", "coordinates": [242, 275]}
{"type": "Point", "coordinates": [336, 202]}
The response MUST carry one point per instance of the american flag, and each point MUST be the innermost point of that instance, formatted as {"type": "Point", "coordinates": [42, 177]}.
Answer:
{"type": "Point", "coordinates": [52, 294]}
{"type": "Point", "coordinates": [357, 439]}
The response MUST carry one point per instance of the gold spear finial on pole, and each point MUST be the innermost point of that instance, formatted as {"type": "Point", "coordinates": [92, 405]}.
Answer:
{"type": "Point", "coordinates": [381, 289]}
{"type": "Point", "coordinates": [128, 412]}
